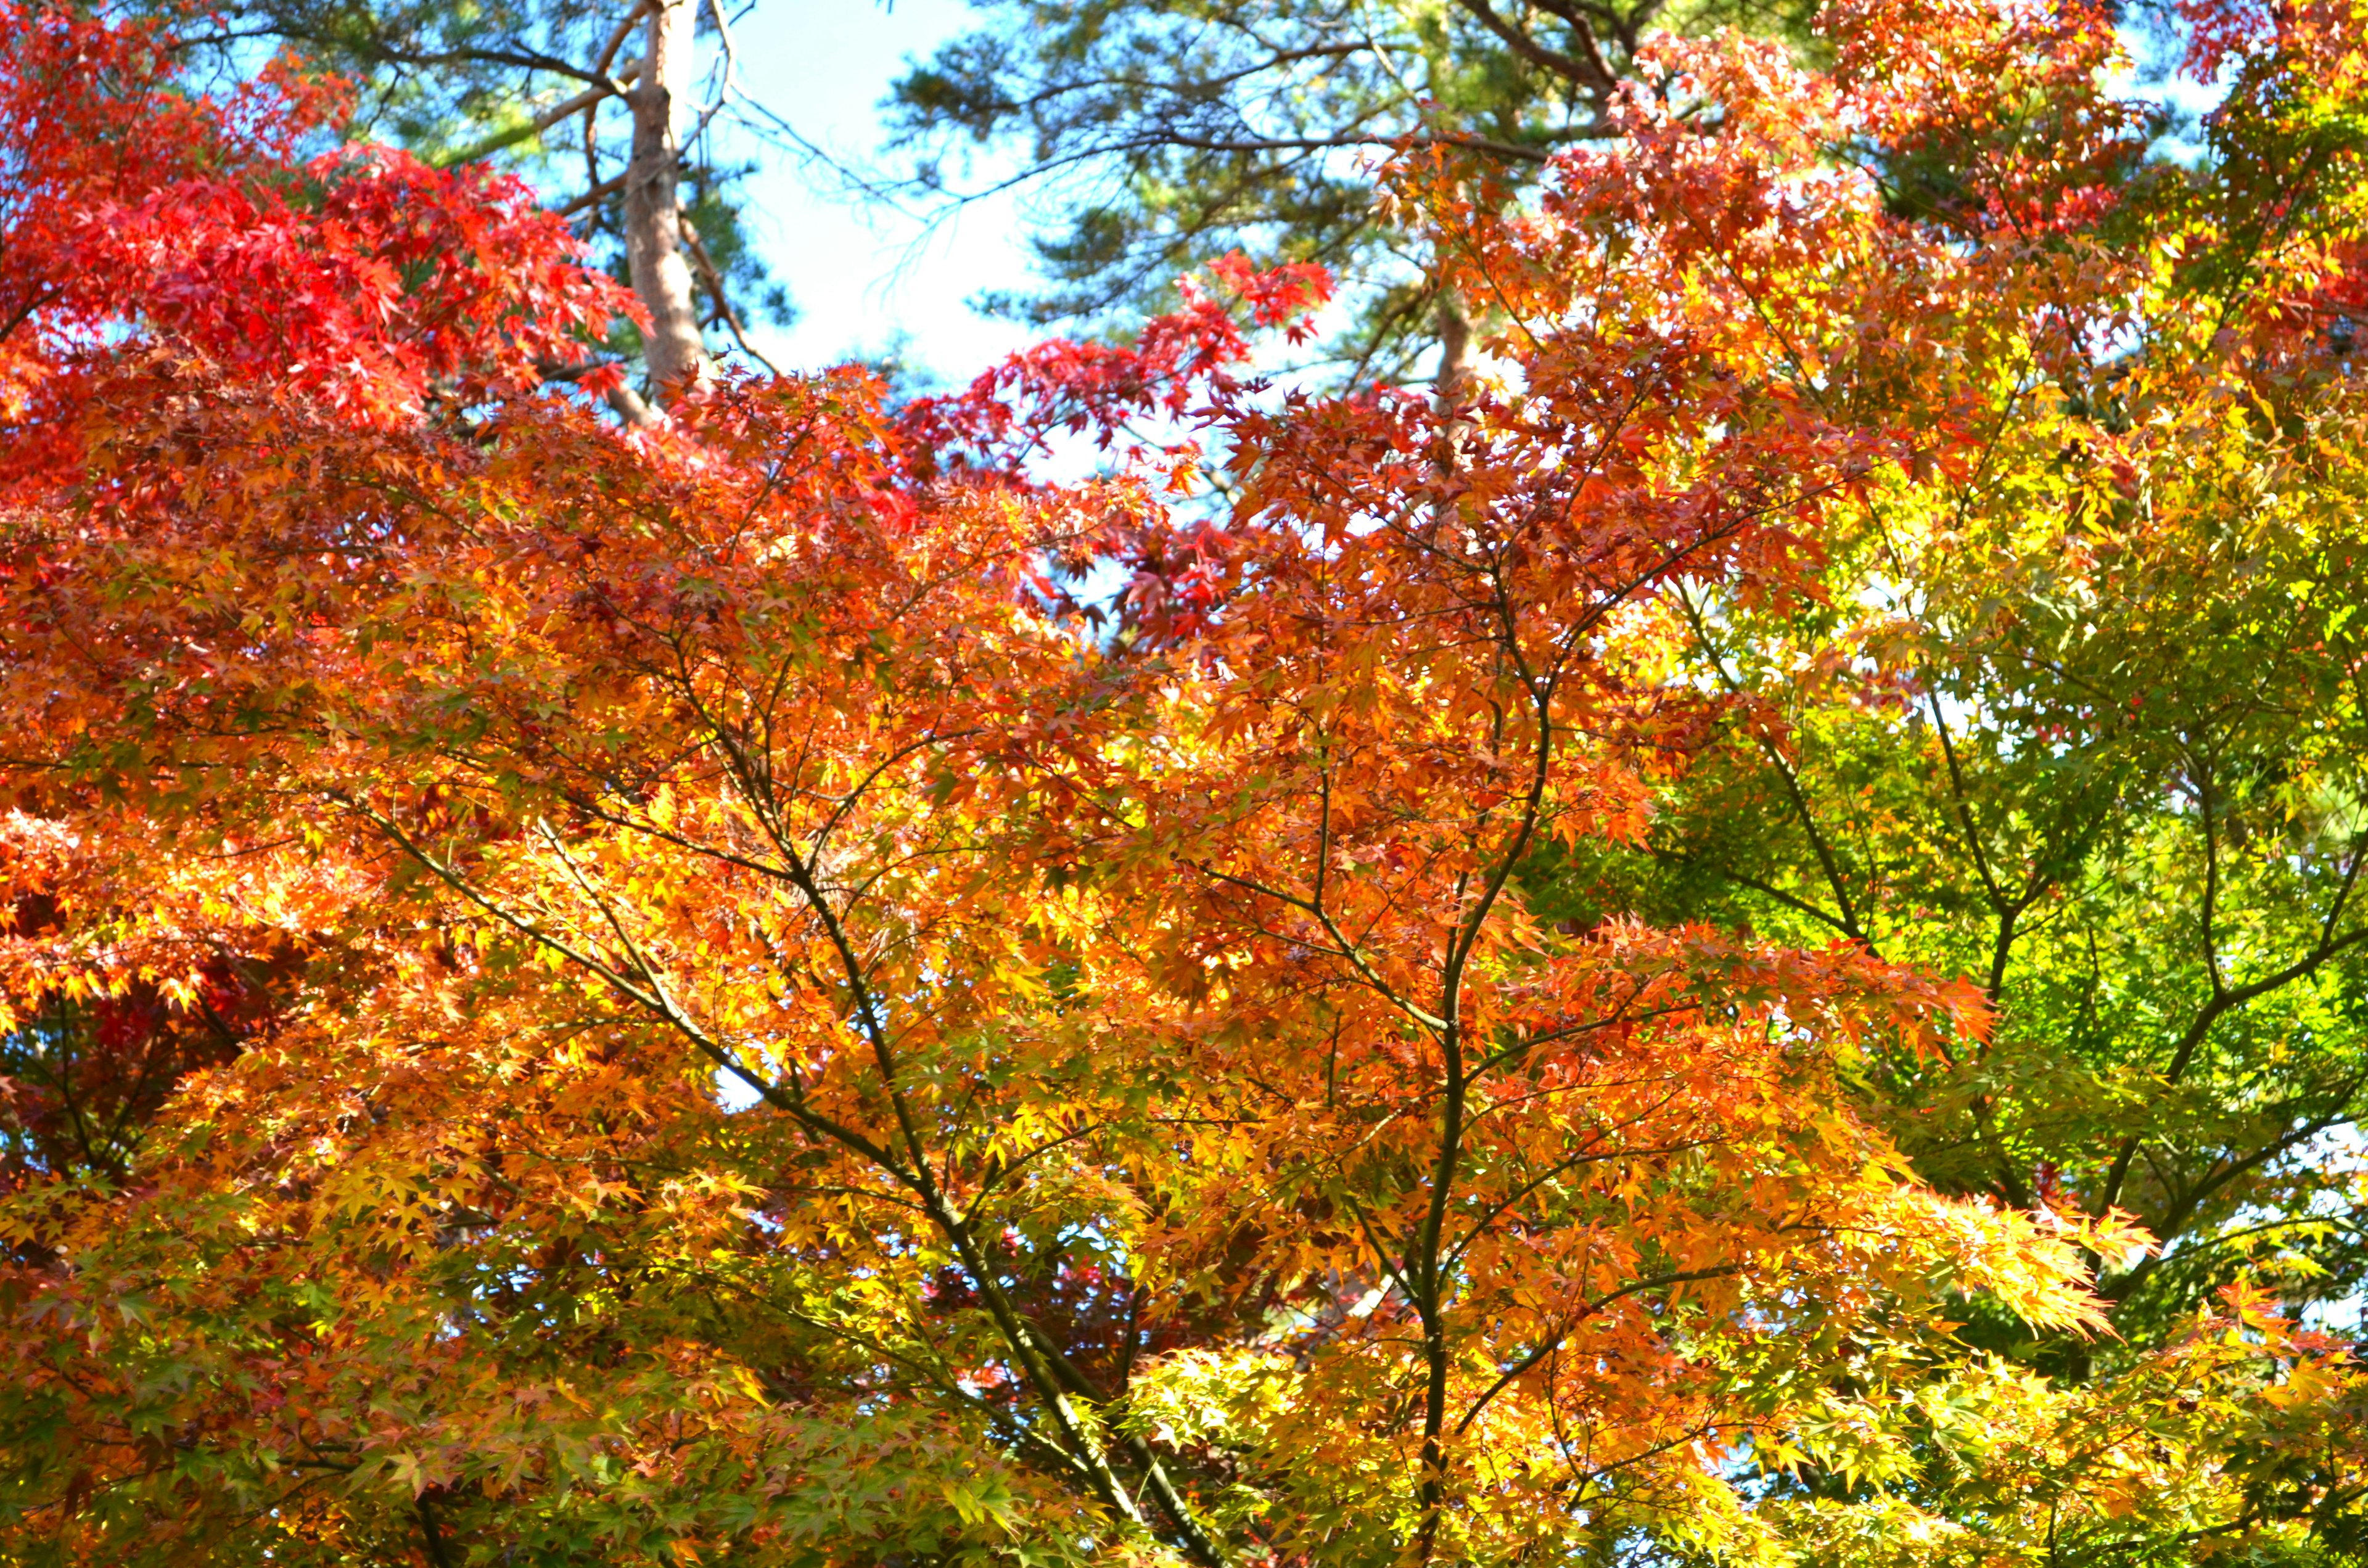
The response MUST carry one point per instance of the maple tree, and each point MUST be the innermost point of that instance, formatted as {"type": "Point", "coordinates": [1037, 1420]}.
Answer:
{"type": "Point", "coordinates": [2076, 716]}
{"type": "Point", "coordinates": [610, 108]}
{"type": "Point", "coordinates": [1200, 1087]}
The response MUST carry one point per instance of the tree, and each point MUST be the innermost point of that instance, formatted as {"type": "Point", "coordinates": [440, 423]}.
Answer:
{"type": "Point", "coordinates": [1158, 135]}
{"type": "Point", "coordinates": [1180, 1120]}
{"type": "Point", "coordinates": [2083, 725]}
{"type": "Point", "coordinates": [2077, 718]}
{"type": "Point", "coordinates": [2018, 796]}
{"type": "Point", "coordinates": [525, 83]}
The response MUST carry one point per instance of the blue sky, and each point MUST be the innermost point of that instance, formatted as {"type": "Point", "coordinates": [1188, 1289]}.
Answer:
{"type": "Point", "coordinates": [859, 272]}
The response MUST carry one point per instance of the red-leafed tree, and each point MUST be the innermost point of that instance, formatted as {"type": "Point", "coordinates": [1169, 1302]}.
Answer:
{"type": "Point", "coordinates": [715, 1015]}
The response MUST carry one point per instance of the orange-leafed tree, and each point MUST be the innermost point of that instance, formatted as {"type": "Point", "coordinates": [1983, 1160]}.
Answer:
{"type": "Point", "coordinates": [686, 995]}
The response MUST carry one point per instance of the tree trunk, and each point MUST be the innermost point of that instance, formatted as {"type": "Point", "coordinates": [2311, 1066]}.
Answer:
{"type": "Point", "coordinates": [654, 246]}
{"type": "Point", "coordinates": [1455, 353]}
{"type": "Point", "coordinates": [1448, 389]}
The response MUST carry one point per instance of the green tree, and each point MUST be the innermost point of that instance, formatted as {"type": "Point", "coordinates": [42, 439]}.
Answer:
{"type": "Point", "coordinates": [1154, 135]}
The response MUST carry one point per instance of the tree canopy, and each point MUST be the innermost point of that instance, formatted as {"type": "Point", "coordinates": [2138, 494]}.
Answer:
{"type": "Point", "coordinates": [610, 109]}
{"type": "Point", "coordinates": [1733, 941]}
{"type": "Point", "coordinates": [1150, 135]}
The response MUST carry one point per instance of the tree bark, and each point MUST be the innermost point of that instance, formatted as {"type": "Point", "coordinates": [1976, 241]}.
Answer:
{"type": "Point", "coordinates": [653, 248]}
{"type": "Point", "coordinates": [1448, 390]}
{"type": "Point", "coordinates": [1454, 354]}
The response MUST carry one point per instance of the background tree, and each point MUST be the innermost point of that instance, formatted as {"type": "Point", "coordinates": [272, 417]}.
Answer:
{"type": "Point", "coordinates": [1152, 136]}
{"type": "Point", "coordinates": [2019, 796]}
{"type": "Point", "coordinates": [570, 96]}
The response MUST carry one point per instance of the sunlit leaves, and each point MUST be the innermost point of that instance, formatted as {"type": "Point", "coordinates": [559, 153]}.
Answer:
{"type": "Point", "coordinates": [742, 1024]}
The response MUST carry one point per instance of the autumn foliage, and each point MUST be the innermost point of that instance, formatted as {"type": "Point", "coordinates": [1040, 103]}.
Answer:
{"type": "Point", "coordinates": [688, 996]}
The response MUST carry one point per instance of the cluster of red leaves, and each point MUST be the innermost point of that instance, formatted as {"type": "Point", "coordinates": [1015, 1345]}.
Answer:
{"type": "Point", "coordinates": [1011, 414]}
{"type": "Point", "coordinates": [141, 220]}
{"type": "Point", "coordinates": [2303, 35]}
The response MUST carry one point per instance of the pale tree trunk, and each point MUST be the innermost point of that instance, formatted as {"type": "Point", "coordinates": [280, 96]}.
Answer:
{"type": "Point", "coordinates": [1448, 390]}
{"type": "Point", "coordinates": [654, 244]}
